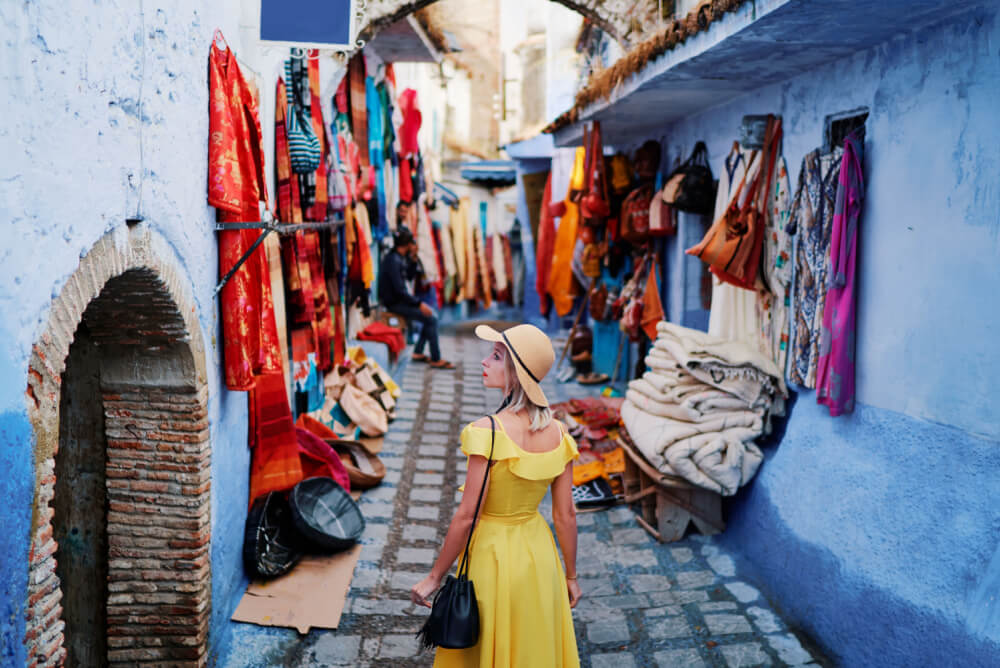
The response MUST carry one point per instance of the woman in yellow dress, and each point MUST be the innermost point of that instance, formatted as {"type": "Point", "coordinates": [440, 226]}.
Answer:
{"type": "Point", "coordinates": [524, 594]}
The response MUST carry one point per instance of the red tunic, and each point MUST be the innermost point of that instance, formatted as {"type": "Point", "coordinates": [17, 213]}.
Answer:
{"type": "Point", "coordinates": [236, 186]}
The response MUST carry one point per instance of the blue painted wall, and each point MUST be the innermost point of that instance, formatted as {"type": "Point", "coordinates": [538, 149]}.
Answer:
{"type": "Point", "coordinates": [879, 532]}
{"type": "Point", "coordinates": [74, 171]}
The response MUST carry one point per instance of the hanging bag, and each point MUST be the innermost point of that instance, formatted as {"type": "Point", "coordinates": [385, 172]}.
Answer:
{"type": "Point", "coordinates": [303, 144]}
{"type": "Point", "coordinates": [594, 206]}
{"type": "Point", "coordinates": [732, 246]}
{"type": "Point", "coordinates": [635, 215]}
{"type": "Point", "coordinates": [454, 619]}
{"type": "Point", "coordinates": [691, 187]}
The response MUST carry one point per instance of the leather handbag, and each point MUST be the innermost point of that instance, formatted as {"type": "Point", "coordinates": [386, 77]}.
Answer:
{"type": "Point", "coordinates": [691, 187]}
{"type": "Point", "coordinates": [635, 215]}
{"type": "Point", "coordinates": [594, 207]}
{"type": "Point", "coordinates": [454, 619]}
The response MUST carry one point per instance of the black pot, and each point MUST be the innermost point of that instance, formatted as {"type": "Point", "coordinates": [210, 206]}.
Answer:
{"type": "Point", "coordinates": [324, 515]}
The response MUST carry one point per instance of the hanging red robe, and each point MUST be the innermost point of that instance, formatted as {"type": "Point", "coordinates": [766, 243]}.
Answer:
{"type": "Point", "coordinates": [236, 186]}
{"type": "Point", "coordinates": [543, 248]}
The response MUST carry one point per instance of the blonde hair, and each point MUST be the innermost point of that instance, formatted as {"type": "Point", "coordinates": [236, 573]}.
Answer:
{"type": "Point", "coordinates": [517, 400]}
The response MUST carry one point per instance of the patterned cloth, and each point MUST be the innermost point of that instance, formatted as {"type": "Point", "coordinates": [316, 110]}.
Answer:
{"type": "Point", "coordinates": [776, 270]}
{"type": "Point", "coordinates": [236, 186]}
{"type": "Point", "coordinates": [811, 224]}
{"type": "Point", "coordinates": [835, 370]}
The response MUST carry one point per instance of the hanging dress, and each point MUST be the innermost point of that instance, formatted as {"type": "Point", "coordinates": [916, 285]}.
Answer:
{"type": "Point", "coordinates": [776, 270]}
{"type": "Point", "coordinates": [811, 225]}
{"type": "Point", "coordinates": [561, 274]}
{"type": "Point", "coordinates": [236, 186]}
{"type": "Point", "coordinates": [734, 309]}
{"type": "Point", "coordinates": [524, 614]}
{"type": "Point", "coordinates": [835, 369]}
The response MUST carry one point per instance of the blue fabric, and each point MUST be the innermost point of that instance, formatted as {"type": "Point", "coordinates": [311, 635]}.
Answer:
{"type": "Point", "coordinates": [376, 153]}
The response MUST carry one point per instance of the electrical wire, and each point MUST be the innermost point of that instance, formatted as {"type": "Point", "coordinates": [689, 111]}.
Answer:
{"type": "Point", "coordinates": [142, 79]}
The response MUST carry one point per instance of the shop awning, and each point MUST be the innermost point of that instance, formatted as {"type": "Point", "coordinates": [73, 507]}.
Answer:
{"type": "Point", "coordinates": [405, 41]}
{"type": "Point", "coordinates": [490, 172]}
{"type": "Point", "coordinates": [763, 42]}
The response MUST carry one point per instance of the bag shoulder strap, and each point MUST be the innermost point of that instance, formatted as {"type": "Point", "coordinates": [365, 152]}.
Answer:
{"type": "Point", "coordinates": [463, 567]}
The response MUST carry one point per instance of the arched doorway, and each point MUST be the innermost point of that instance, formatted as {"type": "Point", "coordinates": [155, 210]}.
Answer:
{"type": "Point", "coordinates": [119, 571]}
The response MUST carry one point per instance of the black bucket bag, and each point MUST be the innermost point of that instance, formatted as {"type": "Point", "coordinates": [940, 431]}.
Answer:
{"type": "Point", "coordinates": [691, 187]}
{"type": "Point", "coordinates": [454, 619]}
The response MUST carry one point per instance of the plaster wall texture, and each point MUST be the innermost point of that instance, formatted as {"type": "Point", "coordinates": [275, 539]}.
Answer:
{"type": "Point", "coordinates": [87, 82]}
{"type": "Point", "coordinates": [878, 531]}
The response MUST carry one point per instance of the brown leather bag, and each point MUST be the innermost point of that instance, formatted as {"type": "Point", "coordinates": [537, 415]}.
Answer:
{"type": "Point", "coordinates": [598, 301]}
{"type": "Point", "coordinates": [635, 215]}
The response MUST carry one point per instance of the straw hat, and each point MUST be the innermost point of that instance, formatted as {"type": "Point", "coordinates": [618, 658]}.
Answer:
{"type": "Point", "coordinates": [532, 353]}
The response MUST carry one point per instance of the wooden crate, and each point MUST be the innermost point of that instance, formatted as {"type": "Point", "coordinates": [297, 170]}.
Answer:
{"type": "Point", "coordinates": [667, 504]}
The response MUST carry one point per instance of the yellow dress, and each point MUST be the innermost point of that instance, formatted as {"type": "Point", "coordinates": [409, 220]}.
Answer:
{"type": "Point", "coordinates": [524, 614]}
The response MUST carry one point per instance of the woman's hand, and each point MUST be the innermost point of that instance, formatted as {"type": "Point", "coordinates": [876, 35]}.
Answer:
{"type": "Point", "coordinates": [574, 592]}
{"type": "Point", "coordinates": [422, 592]}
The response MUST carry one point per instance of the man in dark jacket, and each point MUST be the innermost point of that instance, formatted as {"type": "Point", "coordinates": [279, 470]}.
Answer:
{"type": "Point", "coordinates": [395, 296]}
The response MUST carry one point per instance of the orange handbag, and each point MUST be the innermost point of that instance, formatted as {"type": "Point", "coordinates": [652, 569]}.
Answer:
{"type": "Point", "coordinates": [732, 246]}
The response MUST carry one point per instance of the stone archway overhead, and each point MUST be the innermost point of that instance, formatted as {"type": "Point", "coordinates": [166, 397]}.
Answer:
{"type": "Point", "coordinates": [627, 21]}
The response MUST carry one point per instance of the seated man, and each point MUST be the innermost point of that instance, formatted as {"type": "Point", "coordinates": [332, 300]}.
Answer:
{"type": "Point", "coordinates": [394, 296]}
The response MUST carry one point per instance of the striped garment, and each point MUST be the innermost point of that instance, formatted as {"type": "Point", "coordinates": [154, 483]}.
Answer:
{"type": "Point", "coordinates": [303, 144]}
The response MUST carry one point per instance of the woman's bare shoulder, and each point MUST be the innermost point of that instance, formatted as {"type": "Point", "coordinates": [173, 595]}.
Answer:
{"type": "Point", "coordinates": [483, 422]}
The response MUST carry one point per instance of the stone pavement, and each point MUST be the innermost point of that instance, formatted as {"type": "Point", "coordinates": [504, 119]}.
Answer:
{"type": "Point", "coordinates": [645, 604]}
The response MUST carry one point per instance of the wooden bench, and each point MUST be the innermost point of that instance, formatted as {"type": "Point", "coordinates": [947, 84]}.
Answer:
{"type": "Point", "coordinates": [668, 504]}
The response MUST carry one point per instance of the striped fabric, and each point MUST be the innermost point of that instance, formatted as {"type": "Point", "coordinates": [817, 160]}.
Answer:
{"type": "Point", "coordinates": [303, 144]}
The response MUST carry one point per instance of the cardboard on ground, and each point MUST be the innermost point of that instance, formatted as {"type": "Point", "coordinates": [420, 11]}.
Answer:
{"type": "Point", "coordinates": [311, 595]}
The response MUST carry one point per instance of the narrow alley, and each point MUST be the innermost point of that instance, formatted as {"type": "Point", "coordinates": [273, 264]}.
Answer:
{"type": "Point", "coordinates": [646, 604]}
{"type": "Point", "coordinates": [745, 251]}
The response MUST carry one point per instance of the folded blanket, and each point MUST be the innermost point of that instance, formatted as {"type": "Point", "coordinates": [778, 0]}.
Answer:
{"type": "Point", "coordinates": [693, 405]}
{"type": "Point", "coordinates": [720, 458]}
{"type": "Point", "coordinates": [731, 366]}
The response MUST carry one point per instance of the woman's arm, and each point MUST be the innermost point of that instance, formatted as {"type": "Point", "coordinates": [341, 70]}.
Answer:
{"type": "Point", "coordinates": [458, 532]}
{"type": "Point", "coordinates": [564, 518]}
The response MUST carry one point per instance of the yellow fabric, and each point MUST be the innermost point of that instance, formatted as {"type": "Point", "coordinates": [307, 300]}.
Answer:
{"type": "Point", "coordinates": [561, 275]}
{"type": "Point", "coordinates": [524, 615]}
{"type": "Point", "coordinates": [458, 227]}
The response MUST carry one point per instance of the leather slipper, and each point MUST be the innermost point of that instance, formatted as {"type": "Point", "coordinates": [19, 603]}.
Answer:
{"type": "Point", "coordinates": [442, 364]}
{"type": "Point", "coordinates": [364, 469]}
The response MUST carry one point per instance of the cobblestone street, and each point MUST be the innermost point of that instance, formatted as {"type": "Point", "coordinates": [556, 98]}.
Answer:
{"type": "Point", "coordinates": [645, 604]}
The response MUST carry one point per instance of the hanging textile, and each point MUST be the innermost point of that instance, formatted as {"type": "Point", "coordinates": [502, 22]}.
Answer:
{"type": "Point", "coordinates": [811, 225]}
{"type": "Point", "coordinates": [274, 460]}
{"type": "Point", "coordinates": [376, 130]}
{"type": "Point", "coordinates": [479, 269]}
{"type": "Point", "coordinates": [458, 226]}
{"type": "Point", "coordinates": [426, 248]}
{"type": "Point", "coordinates": [358, 107]}
{"type": "Point", "coordinates": [561, 273]}
{"type": "Point", "coordinates": [363, 246]}
{"type": "Point", "coordinates": [411, 123]}
{"type": "Point", "coordinates": [282, 163]}
{"type": "Point", "coordinates": [303, 144]}
{"type": "Point", "coordinates": [652, 307]}
{"type": "Point", "coordinates": [773, 299]}
{"type": "Point", "coordinates": [319, 206]}
{"type": "Point", "coordinates": [236, 187]}
{"type": "Point", "coordinates": [544, 243]}
{"type": "Point", "coordinates": [499, 267]}
{"type": "Point", "coordinates": [835, 369]}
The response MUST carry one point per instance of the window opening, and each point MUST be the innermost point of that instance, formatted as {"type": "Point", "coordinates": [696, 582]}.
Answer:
{"type": "Point", "coordinates": [839, 126]}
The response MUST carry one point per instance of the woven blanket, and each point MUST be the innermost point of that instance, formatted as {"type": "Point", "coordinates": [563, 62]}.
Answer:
{"type": "Point", "coordinates": [715, 455]}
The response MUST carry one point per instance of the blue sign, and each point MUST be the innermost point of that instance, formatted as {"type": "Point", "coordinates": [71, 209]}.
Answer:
{"type": "Point", "coordinates": [315, 23]}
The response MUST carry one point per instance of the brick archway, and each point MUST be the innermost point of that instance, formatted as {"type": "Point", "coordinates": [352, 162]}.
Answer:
{"type": "Point", "coordinates": [131, 298]}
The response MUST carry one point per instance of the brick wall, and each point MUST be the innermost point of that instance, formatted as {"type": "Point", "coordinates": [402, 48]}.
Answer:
{"type": "Point", "coordinates": [158, 467]}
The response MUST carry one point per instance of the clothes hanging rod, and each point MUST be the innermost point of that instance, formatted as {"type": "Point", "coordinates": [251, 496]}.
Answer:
{"type": "Point", "coordinates": [281, 228]}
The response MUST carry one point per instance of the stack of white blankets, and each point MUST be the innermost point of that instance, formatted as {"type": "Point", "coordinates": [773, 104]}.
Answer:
{"type": "Point", "coordinates": [698, 409]}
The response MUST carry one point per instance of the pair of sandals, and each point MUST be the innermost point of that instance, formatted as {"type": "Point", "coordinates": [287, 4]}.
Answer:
{"type": "Point", "coordinates": [440, 364]}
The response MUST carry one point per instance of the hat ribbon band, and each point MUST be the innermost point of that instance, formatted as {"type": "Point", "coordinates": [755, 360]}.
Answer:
{"type": "Point", "coordinates": [518, 358]}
